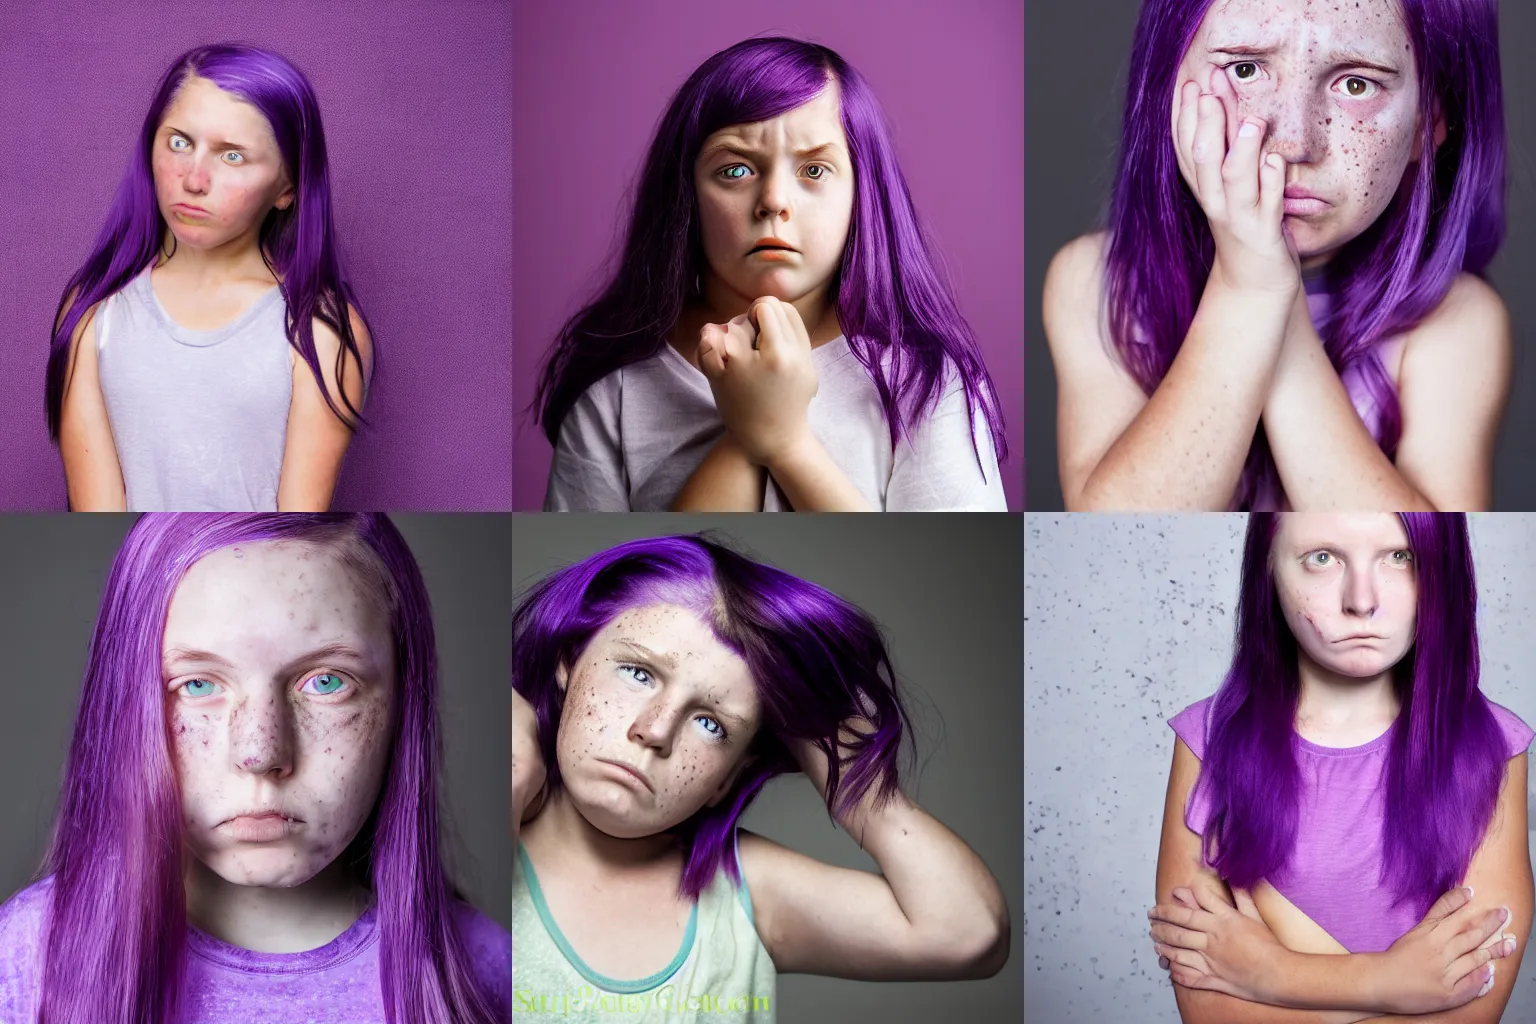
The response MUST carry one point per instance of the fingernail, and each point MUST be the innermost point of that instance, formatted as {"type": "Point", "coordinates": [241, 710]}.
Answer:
{"type": "Point", "coordinates": [1509, 945]}
{"type": "Point", "coordinates": [1248, 130]}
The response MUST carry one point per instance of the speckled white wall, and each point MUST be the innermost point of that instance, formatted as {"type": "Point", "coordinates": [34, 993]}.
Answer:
{"type": "Point", "coordinates": [1128, 619]}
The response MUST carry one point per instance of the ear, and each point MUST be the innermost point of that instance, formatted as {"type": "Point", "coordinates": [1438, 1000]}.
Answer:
{"type": "Point", "coordinates": [562, 676]}
{"type": "Point", "coordinates": [286, 197]}
{"type": "Point", "coordinates": [729, 782]}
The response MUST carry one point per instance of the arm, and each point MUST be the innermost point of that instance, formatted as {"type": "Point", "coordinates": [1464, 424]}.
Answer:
{"type": "Point", "coordinates": [934, 913]}
{"type": "Point", "coordinates": [317, 438]}
{"type": "Point", "coordinates": [1453, 388]}
{"type": "Point", "coordinates": [812, 481]}
{"type": "Point", "coordinates": [92, 474]}
{"type": "Point", "coordinates": [1438, 964]}
{"type": "Point", "coordinates": [726, 481]}
{"type": "Point", "coordinates": [1182, 448]}
{"type": "Point", "coordinates": [1500, 876]}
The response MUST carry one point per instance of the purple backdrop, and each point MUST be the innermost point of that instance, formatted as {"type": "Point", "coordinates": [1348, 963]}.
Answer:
{"type": "Point", "coordinates": [592, 78]}
{"type": "Point", "coordinates": [416, 96]}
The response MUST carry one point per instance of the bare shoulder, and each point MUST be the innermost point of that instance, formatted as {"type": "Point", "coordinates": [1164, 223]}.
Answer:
{"type": "Point", "coordinates": [1073, 293]}
{"type": "Point", "coordinates": [1469, 329]}
{"type": "Point", "coordinates": [332, 340]}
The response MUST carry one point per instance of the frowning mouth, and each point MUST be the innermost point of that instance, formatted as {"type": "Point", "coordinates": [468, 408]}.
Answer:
{"type": "Point", "coordinates": [772, 244]}
{"type": "Point", "coordinates": [632, 771]}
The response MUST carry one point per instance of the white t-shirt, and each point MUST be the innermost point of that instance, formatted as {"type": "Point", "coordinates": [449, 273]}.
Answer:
{"type": "Point", "coordinates": [632, 440]}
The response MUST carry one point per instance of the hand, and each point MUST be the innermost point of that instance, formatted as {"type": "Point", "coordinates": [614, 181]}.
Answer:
{"type": "Point", "coordinates": [760, 370]}
{"type": "Point", "coordinates": [1444, 962]}
{"type": "Point", "coordinates": [1242, 195]}
{"type": "Point", "coordinates": [528, 772]}
{"type": "Point", "coordinates": [813, 761]}
{"type": "Point", "coordinates": [1211, 945]}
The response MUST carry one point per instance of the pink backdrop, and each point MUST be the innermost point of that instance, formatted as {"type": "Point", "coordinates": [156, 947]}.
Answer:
{"type": "Point", "coordinates": [592, 78]}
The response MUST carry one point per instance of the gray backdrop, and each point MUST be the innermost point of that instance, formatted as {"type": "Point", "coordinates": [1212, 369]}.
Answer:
{"type": "Point", "coordinates": [1075, 62]}
{"type": "Point", "coordinates": [55, 569]}
{"type": "Point", "coordinates": [1130, 621]}
{"type": "Point", "coordinates": [946, 591]}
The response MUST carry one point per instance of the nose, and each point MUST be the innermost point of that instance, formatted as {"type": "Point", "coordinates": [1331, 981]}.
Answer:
{"type": "Point", "coordinates": [773, 201]}
{"type": "Point", "coordinates": [656, 725]}
{"type": "Point", "coordinates": [1360, 595]}
{"type": "Point", "coordinates": [261, 736]}
{"type": "Point", "coordinates": [198, 176]}
{"type": "Point", "coordinates": [1298, 122]}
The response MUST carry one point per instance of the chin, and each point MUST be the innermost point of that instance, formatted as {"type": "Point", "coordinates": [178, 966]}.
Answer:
{"type": "Point", "coordinates": [278, 868]}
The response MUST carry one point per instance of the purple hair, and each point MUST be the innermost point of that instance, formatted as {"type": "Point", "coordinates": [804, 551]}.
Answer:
{"type": "Point", "coordinates": [896, 308]}
{"type": "Point", "coordinates": [297, 244]}
{"type": "Point", "coordinates": [1447, 216]}
{"type": "Point", "coordinates": [1446, 757]}
{"type": "Point", "coordinates": [116, 949]}
{"type": "Point", "coordinates": [816, 661]}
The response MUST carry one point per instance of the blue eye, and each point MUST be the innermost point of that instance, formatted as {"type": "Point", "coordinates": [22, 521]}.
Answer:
{"type": "Point", "coordinates": [175, 139]}
{"type": "Point", "coordinates": [239, 158]}
{"type": "Point", "coordinates": [324, 684]}
{"type": "Point", "coordinates": [638, 674]}
{"type": "Point", "coordinates": [729, 172]}
{"type": "Point", "coordinates": [718, 732]}
{"type": "Point", "coordinates": [198, 687]}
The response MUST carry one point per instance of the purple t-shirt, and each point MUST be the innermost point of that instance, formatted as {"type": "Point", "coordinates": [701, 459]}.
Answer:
{"type": "Point", "coordinates": [335, 984]}
{"type": "Point", "coordinates": [1338, 856]}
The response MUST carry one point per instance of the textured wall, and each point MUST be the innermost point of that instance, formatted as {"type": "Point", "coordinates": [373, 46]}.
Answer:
{"type": "Point", "coordinates": [1129, 620]}
{"type": "Point", "coordinates": [592, 78]}
{"type": "Point", "coordinates": [416, 100]}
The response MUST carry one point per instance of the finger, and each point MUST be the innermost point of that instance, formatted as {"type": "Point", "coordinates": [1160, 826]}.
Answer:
{"type": "Point", "coordinates": [1184, 137]}
{"type": "Point", "coordinates": [1183, 938]}
{"type": "Point", "coordinates": [1208, 150]}
{"type": "Point", "coordinates": [1183, 957]}
{"type": "Point", "coordinates": [1172, 913]}
{"type": "Point", "coordinates": [1163, 962]}
{"type": "Point", "coordinates": [1476, 983]}
{"type": "Point", "coordinates": [1449, 903]}
{"type": "Point", "coordinates": [1209, 898]}
{"type": "Point", "coordinates": [760, 314]}
{"type": "Point", "coordinates": [1240, 170]}
{"type": "Point", "coordinates": [1221, 88]}
{"type": "Point", "coordinates": [1245, 904]}
{"type": "Point", "coordinates": [1272, 194]}
{"type": "Point", "coordinates": [1485, 925]}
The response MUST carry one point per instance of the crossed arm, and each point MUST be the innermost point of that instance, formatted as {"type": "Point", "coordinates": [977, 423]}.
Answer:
{"type": "Point", "coordinates": [1318, 988]}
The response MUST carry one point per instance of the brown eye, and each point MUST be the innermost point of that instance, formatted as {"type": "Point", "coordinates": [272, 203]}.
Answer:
{"type": "Point", "coordinates": [1245, 71]}
{"type": "Point", "coordinates": [1357, 88]}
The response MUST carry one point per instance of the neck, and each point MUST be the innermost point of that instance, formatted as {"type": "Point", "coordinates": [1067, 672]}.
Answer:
{"type": "Point", "coordinates": [560, 825]}
{"type": "Point", "coordinates": [1333, 699]}
{"type": "Point", "coordinates": [275, 920]}
{"type": "Point", "coordinates": [207, 268]}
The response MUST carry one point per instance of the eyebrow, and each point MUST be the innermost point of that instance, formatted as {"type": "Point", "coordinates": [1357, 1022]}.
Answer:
{"type": "Point", "coordinates": [737, 146]}
{"type": "Point", "coordinates": [192, 655]}
{"type": "Point", "coordinates": [670, 662]}
{"type": "Point", "coordinates": [1339, 58]}
{"type": "Point", "coordinates": [216, 143]}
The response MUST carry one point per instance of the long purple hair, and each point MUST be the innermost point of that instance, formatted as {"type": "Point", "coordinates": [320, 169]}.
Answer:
{"type": "Point", "coordinates": [1446, 758]}
{"type": "Point", "coordinates": [116, 949]}
{"type": "Point", "coordinates": [892, 299]}
{"type": "Point", "coordinates": [1447, 216]}
{"type": "Point", "coordinates": [297, 244]}
{"type": "Point", "coordinates": [816, 660]}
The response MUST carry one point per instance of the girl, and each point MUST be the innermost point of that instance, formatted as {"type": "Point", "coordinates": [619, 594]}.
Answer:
{"type": "Point", "coordinates": [208, 355]}
{"type": "Point", "coordinates": [777, 334]}
{"type": "Point", "coordinates": [669, 680]}
{"type": "Point", "coordinates": [1286, 307]}
{"type": "Point", "coordinates": [1346, 775]}
{"type": "Point", "coordinates": [248, 827]}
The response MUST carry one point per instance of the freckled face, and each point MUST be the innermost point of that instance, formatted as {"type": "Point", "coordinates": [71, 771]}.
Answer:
{"type": "Point", "coordinates": [788, 178]}
{"type": "Point", "coordinates": [1336, 84]}
{"type": "Point", "coordinates": [1348, 588]}
{"type": "Point", "coordinates": [655, 690]}
{"type": "Point", "coordinates": [279, 674]}
{"type": "Point", "coordinates": [216, 151]}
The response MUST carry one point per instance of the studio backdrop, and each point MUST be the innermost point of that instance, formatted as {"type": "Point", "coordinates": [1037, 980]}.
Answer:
{"type": "Point", "coordinates": [593, 77]}
{"type": "Point", "coordinates": [1130, 621]}
{"type": "Point", "coordinates": [416, 100]}
{"type": "Point", "coordinates": [949, 603]}
{"type": "Point", "coordinates": [56, 570]}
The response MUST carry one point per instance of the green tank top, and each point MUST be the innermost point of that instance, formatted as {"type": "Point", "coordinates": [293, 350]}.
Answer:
{"type": "Point", "coordinates": [720, 975]}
